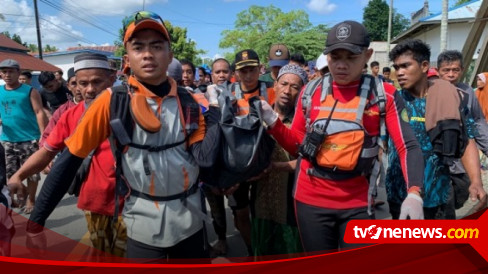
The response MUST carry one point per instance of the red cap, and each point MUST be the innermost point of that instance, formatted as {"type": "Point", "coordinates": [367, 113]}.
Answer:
{"type": "Point", "coordinates": [432, 73]}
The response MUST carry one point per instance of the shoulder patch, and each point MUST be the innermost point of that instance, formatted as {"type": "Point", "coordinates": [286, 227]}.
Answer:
{"type": "Point", "coordinates": [404, 116]}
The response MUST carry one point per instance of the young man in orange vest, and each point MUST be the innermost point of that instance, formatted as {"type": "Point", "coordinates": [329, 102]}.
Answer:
{"type": "Point", "coordinates": [160, 163]}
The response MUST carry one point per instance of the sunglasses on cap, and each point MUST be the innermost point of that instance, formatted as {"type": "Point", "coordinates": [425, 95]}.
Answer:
{"type": "Point", "coordinates": [140, 16]}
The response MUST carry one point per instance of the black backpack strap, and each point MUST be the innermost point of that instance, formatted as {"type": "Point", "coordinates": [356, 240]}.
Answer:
{"type": "Point", "coordinates": [183, 195]}
{"type": "Point", "coordinates": [158, 148]}
{"type": "Point", "coordinates": [464, 113]}
{"type": "Point", "coordinates": [121, 123]}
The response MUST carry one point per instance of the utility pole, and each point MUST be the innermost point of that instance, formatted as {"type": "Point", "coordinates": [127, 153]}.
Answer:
{"type": "Point", "coordinates": [39, 43]}
{"type": "Point", "coordinates": [445, 4]}
{"type": "Point", "coordinates": [143, 4]}
{"type": "Point", "coordinates": [390, 15]}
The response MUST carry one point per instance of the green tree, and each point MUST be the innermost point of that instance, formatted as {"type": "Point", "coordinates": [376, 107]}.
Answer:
{"type": "Point", "coordinates": [460, 2]}
{"type": "Point", "coordinates": [120, 51]}
{"type": "Point", "coordinates": [375, 19]}
{"type": "Point", "coordinates": [259, 27]}
{"type": "Point", "coordinates": [49, 48]}
{"type": "Point", "coordinates": [33, 47]}
{"type": "Point", "coordinates": [17, 39]}
{"type": "Point", "coordinates": [183, 47]}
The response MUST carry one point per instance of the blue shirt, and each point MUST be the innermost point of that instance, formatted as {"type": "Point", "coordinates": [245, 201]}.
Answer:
{"type": "Point", "coordinates": [436, 174]}
{"type": "Point", "coordinates": [19, 122]}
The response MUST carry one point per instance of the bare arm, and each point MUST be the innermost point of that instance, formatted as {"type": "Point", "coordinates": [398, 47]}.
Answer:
{"type": "Point", "coordinates": [471, 163]}
{"type": "Point", "coordinates": [36, 103]}
{"type": "Point", "coordinates": [36, 163]}
{"type": "Point", "coordinates": [289, 166]}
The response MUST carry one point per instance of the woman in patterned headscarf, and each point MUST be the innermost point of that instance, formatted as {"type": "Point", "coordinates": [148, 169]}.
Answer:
{"type": "Point", "coordinates": [482, 91]}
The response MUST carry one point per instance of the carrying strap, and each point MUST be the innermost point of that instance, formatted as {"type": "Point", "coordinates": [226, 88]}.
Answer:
{"type": "Point", "coordinates": [236, 87]}
{"type": "Point", "coordinates": [308, 94]}
{"type": "Point", "coordinates": [380, 100]}
{"type": "Point", "coordinates": [158, 148]}
{"type": "Point", "coordinates": [200, 212]}
{"type": "Point", "coordinates": [372, 189]}
{"type": "Point", "coordinates": [363, 97]}
{"type": "Point", "coordinates": [183, 195]}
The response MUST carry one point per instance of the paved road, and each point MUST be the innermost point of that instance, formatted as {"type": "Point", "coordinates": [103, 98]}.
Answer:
{"type": "Point", "coordinates": [69, 221]}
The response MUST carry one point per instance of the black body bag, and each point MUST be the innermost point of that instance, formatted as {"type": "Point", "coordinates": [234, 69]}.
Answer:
{"type": "Point", "coordinates": [246, 147]}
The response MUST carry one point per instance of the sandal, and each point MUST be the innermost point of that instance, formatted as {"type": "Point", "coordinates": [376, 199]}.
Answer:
{"type": "Point", "coordinates": [378, 203]}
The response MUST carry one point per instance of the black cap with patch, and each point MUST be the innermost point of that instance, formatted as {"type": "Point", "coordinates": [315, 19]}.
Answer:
{"type": "Point", "coordinates": [246, 58]}
{"type": "Point", "coordinates": [348, 35]}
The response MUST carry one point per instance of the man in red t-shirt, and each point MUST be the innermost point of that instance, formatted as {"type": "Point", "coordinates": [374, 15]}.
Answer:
{"type": "Point", "coordinates": [93, 75]}
{"type": "Point", "coordinates": [327, 197]}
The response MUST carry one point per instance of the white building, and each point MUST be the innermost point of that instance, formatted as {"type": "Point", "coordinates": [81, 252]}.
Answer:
{"type": "Point", "coordinates": [65, 59]}
{"type": "Point", "coordinates": [428, 29]}
{"type": "Point", "coordinates": [380, 54]}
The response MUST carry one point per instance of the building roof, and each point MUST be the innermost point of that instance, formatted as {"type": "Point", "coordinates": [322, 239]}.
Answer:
{"type": "Point", "coordinates": [9, 49]}
{"type": "Point", "coordinates": [458, 14]}
{"type": "Point", "coordinates": [466, 10]}
{"type": "Point", "coordinates": [9, 44]}
{"type": "Point", "coordinates": [28, 62]}
{"type": "Point", "coordinates": [99, 48]}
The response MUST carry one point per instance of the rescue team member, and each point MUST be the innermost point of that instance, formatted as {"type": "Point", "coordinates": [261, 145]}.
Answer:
{"type": "Point", "coordinates": [247, 69]}
{"type": "Point", "coordinates": [94, 75]}
{"type": "Point", "coordinates": [162, 212]}
{"type": "Point", "coordinates": [411, 62]}
{"type": "Point", "coordinates": [328, 195]}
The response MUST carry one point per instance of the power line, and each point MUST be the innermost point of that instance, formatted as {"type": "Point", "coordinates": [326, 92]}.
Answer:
{"type": "Point", "coordinates": [19, 15]}
{"type": "Point", "coordinates": [62, 30]}
{"type": "Point", "coordinates": [80, 10]}
{"type": "Point", "coordinates": [75, 15]}
{"type": "Point", "coordinates": [66, 33]}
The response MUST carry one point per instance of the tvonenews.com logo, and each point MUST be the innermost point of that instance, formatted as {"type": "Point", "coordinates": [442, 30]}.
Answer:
{"type": "Point", "coordinates": [473, 232]}
{"type": "Point", "coordinates": [375, 232]}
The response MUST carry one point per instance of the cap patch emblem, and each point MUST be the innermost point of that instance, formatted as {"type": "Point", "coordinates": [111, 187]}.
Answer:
{"type": "Point", "coordinates": [343, 32]}
{"type": "Point", "coordinates": [245, 56]}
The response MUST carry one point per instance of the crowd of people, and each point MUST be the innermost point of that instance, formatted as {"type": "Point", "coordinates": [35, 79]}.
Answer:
{"type": "Point", "coordinates": [144, 157]}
